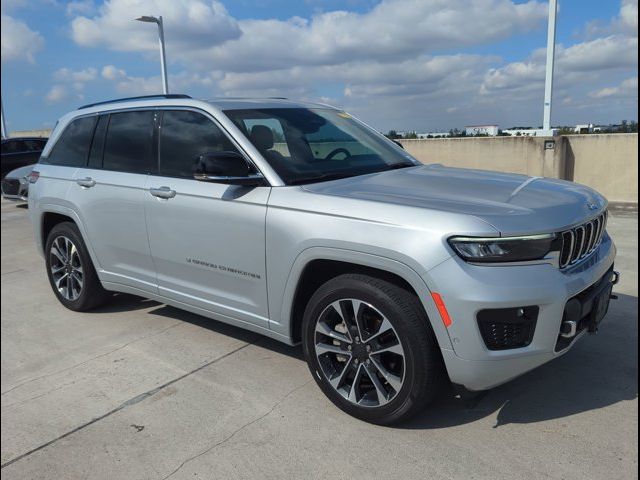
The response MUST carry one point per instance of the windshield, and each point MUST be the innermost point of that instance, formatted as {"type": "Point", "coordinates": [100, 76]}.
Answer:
{"type": "Point", "coordinates": [309, 145]}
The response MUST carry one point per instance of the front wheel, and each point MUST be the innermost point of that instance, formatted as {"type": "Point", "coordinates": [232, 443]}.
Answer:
{"type": "Point", "coordinates": [370, 348]}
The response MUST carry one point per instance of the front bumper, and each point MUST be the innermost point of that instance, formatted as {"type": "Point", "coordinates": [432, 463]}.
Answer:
{"type": "Point", "coordinates": [16, 189]}
{"type": "Point", "coordinates": [467, 289]}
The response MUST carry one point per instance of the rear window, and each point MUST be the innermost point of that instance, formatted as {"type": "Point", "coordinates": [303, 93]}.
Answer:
{"type": "Point", "coordinates": [129, 143]}
{"type": "Point", "coordinates": [72, 148]}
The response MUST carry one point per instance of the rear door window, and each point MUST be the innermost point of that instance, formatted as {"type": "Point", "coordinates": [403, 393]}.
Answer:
{"type": "Point", "coordinates": [129, 143]}
{"type": "Point", "coordinates": [72, 148]}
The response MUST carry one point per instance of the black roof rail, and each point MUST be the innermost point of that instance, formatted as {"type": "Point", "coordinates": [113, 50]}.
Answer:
{"type": "Point", "coordinates": [142, 97]}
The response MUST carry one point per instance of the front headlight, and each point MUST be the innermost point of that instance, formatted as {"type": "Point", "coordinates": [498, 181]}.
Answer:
{"type": "Point", "coordinates": [505, 249]}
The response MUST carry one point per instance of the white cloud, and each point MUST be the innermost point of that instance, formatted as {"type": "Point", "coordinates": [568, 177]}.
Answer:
{"type": "Point", "coordinates": [56, 94]}
{"type": "Point", "coordinates": [111, 72]}
{"type": "Point", "coordinates": [385, 64]}
{"type": "Point", "coordinates": [393, 30]}
{"type": "Point", "coordinates": [135, 85]}
{"type": "Point", "coordinates": [627, 89]}
{"type": "Point", "coordinates": [629, 16]}
{"type": "Point", "coordinates": [80, 76]}
{"type": "Point", "coordinates": [573, 64]}
{"type": "Point", "coordinates": [19, 42]}
{"type": "Point", "coordinates": [81, 7]}
{"type": "Point", "coordinates": [188, 24]}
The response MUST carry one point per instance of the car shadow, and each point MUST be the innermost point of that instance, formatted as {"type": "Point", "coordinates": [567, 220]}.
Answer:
{"type": "Point", "coordinates": [601, 370]}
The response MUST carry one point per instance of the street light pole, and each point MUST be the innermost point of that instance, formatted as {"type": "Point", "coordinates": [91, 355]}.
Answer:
{"type": "Point", "coordinates": [163, 58]}
{"type": "Point", "coordinates": [551, 49]}
{"type": "Point", "coordinates": [4, 126]}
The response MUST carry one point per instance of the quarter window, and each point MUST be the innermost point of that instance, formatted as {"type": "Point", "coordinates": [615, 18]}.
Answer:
{"type": "Point", "coordinates": [184, 136]}
{"type": "Point", "coordinates": [128, 146]}
{"type": "Point", "coordinates": [72, 147]}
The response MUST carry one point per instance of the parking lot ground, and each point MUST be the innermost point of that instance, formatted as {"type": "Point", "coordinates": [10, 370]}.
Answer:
{"type": "Point", "coordinates": [139, 390]}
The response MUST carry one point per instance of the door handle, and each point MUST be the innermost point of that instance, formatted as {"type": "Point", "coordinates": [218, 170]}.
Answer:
{"type": "Point", "coordinates": [162, 192]}
{"type": "Point", "coordinates": [87, 182]}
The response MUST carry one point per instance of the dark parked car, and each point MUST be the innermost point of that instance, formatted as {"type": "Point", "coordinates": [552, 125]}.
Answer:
{"type": "Point", "coordinates": [15, 185]}
{"type": "Point", "coordinates": [19, 152]}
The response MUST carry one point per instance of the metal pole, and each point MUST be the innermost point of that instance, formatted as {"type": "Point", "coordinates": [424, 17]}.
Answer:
{"type": "Point", "coordinates": [551, 48]}
{"type": "Point", "coordinates": [163, 58]}
{"type": "Point", "coordinates": [4, 126]}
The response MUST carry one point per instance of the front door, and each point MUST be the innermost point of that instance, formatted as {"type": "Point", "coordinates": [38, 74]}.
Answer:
{"type": "Point", "coordinates": [207, 239]}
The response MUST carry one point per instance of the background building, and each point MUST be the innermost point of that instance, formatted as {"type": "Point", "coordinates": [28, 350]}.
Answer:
{"type": "Point", "coordinates": [491, 130]}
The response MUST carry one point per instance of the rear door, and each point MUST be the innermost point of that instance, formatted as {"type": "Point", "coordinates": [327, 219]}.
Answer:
{"type": "Point", "coordinates": [109, 192]}
{"type": "Point", "coordinates": [207, 239]}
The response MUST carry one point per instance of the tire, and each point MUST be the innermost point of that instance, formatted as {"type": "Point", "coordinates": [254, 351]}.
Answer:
{"type": "Point", "coordinates": [80, 290]}
{"type": "Point", "coordinates": [386, 401]}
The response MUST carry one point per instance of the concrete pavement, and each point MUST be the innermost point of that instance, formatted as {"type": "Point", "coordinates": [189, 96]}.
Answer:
{"type": "Point", "coordinates": [139, 390]}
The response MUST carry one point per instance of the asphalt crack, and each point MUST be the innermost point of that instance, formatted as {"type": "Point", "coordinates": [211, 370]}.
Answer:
{"type": "Point", "coordinates": [236, 431]}
{"type": "Point", "coordinates": [122, 406]}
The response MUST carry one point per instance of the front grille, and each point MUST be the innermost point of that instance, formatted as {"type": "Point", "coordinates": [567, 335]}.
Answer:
{"type": "Point", "coordinates": [507, 328]}
{"type": "Point", "coordinates": [580, 241]}
{"type": "Point", "coordinates": [10, 186]}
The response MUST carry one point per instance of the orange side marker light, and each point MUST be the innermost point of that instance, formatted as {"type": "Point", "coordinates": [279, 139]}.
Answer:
{"type": "Point", "coordinates": [442, 308]}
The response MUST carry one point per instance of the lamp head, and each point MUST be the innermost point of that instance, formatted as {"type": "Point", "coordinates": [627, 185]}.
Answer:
{"type": "Point", "coordinates": [148, 19]}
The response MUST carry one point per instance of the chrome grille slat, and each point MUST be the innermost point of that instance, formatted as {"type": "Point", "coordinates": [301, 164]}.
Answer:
{"type": "Point", "coordinates": [580, 241]}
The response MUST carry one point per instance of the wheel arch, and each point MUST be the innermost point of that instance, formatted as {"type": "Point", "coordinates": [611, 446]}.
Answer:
{"type": "Point", "coordinates": [51, 215]}
{"type": "Point", "coordinates": [315, 266]}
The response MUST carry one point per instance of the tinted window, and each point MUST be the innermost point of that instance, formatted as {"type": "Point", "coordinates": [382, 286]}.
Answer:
{"type": "Point", "coordinates": [184, 136]}
{"type": "Point", "coordinates": [97, 146]}
{"type": "Point", "coordinates": [129, 146]}
{"type": "Point", "coordinates": [33, 145]}
{"type": "Point", "coordinates": [306, 145]}
{"type": "Point", "coordinates": [72, 147]}
{"type": "Point", "coordinates": [12, 146]}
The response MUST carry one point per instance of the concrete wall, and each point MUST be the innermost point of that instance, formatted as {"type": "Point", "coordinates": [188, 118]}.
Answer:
{"type": "Point", "coordinates": [30, 133]}
{"type": "Point", "coordinates": [606, 162]}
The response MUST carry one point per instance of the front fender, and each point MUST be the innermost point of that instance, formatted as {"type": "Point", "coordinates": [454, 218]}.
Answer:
{"type": "Point", "coordinates": [282, 321]}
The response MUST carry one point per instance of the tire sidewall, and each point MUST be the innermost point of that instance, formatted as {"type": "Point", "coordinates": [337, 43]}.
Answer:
{"type": "Point", "coordinates": [351, 288]}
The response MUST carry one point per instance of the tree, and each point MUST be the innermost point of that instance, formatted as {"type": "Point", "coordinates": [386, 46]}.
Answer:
{"type": "Point", "coordinates": [392, 134]}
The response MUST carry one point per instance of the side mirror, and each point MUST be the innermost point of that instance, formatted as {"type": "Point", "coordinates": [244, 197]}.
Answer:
{"type": "Point", "coordinates": [226, 167]}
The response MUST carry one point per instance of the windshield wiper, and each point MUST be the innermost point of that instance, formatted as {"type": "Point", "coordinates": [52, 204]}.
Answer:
{"type": "Point", "coordinates": [396, 166]}
{"type": "Point", "coordinates": [321, 178]}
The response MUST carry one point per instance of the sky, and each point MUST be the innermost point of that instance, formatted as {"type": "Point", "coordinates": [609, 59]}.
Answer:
{"type": "Point", "coordinates": [424, 65]}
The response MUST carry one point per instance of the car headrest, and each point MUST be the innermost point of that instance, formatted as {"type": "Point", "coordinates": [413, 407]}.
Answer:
{"type": "Point", "coordinates": [262, 137]}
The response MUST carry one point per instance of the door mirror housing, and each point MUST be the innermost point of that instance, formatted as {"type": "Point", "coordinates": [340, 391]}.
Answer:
{"type": "Point", "coordinates": [226, 167]}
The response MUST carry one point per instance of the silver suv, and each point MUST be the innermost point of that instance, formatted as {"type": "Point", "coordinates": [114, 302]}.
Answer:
{"type": "Point", "coordinates": [299, 222]}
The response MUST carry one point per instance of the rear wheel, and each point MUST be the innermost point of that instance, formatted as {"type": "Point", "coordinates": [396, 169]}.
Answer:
{"type": "Point", "coordinates": [370, 348]}
{"type": "Point", "coordinates": [71, 273]}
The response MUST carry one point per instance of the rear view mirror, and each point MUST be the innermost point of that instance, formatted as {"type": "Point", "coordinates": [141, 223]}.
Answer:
{"type": "Point", "coordinates": [226, 167]}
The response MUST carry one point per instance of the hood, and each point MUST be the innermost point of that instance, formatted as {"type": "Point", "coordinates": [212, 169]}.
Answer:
{"type": "Point", "coordinates": [513, 204]}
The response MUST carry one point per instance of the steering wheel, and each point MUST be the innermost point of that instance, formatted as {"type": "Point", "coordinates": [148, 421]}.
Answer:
{"type": "Point", "coordinates": [336, 151]}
